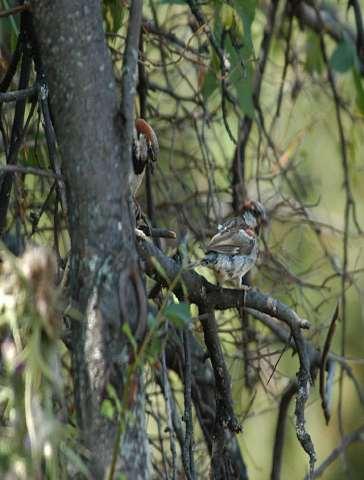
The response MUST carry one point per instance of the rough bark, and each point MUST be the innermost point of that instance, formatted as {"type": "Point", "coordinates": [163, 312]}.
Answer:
{"type": "Point", "coordinates": [105, 276]}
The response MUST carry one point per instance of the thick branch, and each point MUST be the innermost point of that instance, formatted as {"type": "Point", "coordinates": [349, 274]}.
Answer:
{"type": "Point", "coordinates": [95, 147]}
{"type": "Point", "coordinates": [205, 294]}
{"type": "Point", "coordinates": [17, 95]}
{"type": "Point", "coordinates": [209, 297]}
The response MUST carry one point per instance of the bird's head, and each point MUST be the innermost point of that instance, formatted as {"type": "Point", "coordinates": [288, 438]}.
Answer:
{"type": "Point", "coordinates": [145, 133]}
{"type": "Point", "coordinates": [254, 214]}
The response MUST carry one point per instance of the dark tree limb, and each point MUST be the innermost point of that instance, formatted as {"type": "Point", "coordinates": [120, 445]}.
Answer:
{"type": "Point", "coordinates": [94, 134]}
{"type": "Point", "coordinates": [17, 129]}
{"type": "Point", "coordinates": [280, 430]}
{"type": "Point", "coordinates": [209, 297]}
{"type": "Point", "coordinates": [204, 398]}
{"type": "Point", "coordinates": [225, 416]}
{"type": "Point", "coordinates": [206, 295]}
{"type": "Point", "coordinates": [187, 416]}
{"type": "Point", "coordinates": [17, 95]}
{"type": "Point", "coordinates": [15, 59]}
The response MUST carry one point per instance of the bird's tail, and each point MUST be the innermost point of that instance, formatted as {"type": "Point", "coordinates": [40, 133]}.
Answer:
{"type": "Point", "coordinates": [204, 262]}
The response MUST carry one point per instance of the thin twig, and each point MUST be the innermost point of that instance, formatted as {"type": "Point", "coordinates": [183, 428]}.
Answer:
{"type": "Point", "coordinates": [325, 352]}
{"type": "Point", "coordinates": [348, 206]}
{"type": "Point", "coordinates": [168, 398]}
{"type": "Point", "coordinates": [355, 436]}
{"type": "Point", "coordinates": [30, 171]}
{"type": "Point", "coordinates": [188, 440]}
{"type": "Point", "coordinates": [15, 10]}
{"type": "Point", "coordinates": [17, 129]}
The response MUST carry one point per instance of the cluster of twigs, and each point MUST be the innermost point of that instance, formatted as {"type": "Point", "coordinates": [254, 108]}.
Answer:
{"type": "Point", "coordinates": [217, 187]}
{"type": "Point", "coordinates": [214, 155]}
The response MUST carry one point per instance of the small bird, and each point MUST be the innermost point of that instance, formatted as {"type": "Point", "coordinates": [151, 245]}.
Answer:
{"type": "Point", "coordinates": [233, 250]}
{"type": "Point", "coordinates": [145, 150]}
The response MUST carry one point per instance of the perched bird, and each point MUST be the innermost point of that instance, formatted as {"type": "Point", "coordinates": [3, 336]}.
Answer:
{"type": "Point", "coordinates": [145, 151]}
{"type": "Point", "coordinates": [233, 251]}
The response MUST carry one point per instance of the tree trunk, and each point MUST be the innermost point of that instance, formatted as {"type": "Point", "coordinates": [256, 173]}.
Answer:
{"type": "Point", "coordinates": [105, 276]}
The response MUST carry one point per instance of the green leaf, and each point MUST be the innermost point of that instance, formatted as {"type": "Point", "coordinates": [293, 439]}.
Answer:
{"type": "Point", "coordinates": [227, 16]}
{"type": "Point", "coordinates": [344, 56]}
{"type": "Point", "coordinates": [359, 90]}
{"type": "Point", "coordinates": [113, 15]}
{"type": "Point", "coordinates": [112, 394]}
{"type": "Point", "coordinates": [178, 314]}
{"type": "Point", "coordinates": [246, 9]}
{"type": "Point", "coordinates": [126, 330]}
{"type": "Point", "coordinates": [246, 12]}
{"type": "Point", "coordinates": [240, 54]}
{"type": "Point", "coordinates": [35, 157]}
{"type": "Point", "coordinates": [314, 60]}
{"type": "Point", "coordinates": [241, 77]}
{"type": "Point", "coordinates": [107, 409]}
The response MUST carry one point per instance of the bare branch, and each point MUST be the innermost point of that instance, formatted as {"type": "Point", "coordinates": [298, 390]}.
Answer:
{"type": "Point", "coordinates": [17, 95]}
{"type": "Point", "coordinates": [30, 171]}
{"type": "Point", "coordinates": [355, 436]}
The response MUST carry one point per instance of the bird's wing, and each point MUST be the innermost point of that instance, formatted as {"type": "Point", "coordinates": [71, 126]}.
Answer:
{"type": "Point", "coordinates": [140, 154]}
{"type": "Point", "coordinates": [231, 223]}
{"type": "Point", "coordinates": [153, 146]}
{"type": "Point", "coordinates": [232, 241]}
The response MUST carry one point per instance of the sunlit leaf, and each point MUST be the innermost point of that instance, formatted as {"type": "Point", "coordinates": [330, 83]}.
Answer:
{"type": "Point", "coordinates": [113, 14]}
{"type": "Point", "coordinates": [227, 16]}
{"type": "Point", "coordinates": [113, 395]}
{"type": "Point", "coordinates": [107, 409]}
{"type": "Point", "coordinates": [127, 331]}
